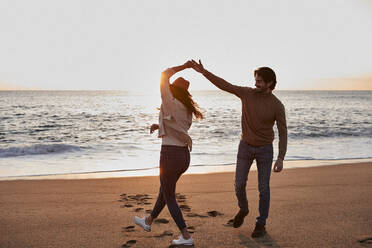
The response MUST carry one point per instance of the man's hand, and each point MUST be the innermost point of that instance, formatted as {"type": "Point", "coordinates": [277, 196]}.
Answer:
{"type": "Point", "coordinates": [197, 66]}
{"type": "Point", "coordinates": [278, 167]}
{"type": "Point", "coordinates": [154, 127]}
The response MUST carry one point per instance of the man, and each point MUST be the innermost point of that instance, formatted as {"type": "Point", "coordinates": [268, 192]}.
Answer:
{"type": "Point", "coordinates": [260, 110]}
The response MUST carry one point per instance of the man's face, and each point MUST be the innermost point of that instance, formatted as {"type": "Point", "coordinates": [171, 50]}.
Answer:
{"type": "Point", "coordinates": [261, 85]}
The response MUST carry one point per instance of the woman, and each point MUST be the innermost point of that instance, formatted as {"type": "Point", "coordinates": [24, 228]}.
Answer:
{"type": "Point", "coordinates": [175, 119]}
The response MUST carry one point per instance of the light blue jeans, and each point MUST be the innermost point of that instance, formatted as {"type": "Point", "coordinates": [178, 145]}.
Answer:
{"type": "Point", "coordinates": [264, 160]}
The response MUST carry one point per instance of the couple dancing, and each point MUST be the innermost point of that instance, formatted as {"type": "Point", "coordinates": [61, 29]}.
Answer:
{"type": "Point", "coordinates": [260, 110]}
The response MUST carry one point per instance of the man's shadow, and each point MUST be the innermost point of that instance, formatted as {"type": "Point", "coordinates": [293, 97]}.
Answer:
{"type": "Point", "coordinates": [265, 241]}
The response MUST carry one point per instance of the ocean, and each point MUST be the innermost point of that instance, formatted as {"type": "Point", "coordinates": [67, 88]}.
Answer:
{"type": "Point", "coordinates": [69, 132]}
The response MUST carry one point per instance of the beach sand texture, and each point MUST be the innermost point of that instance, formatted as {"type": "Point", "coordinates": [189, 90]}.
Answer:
{"type": "Point", "coordinates": [328, 206]}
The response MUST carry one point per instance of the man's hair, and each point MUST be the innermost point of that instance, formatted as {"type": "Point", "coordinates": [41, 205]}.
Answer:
{"type": "Point", "coordinates": [267, 74]}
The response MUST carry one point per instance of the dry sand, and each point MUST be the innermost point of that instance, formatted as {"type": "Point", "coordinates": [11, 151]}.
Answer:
{"type": "Point", "coordinates": [327, 206]}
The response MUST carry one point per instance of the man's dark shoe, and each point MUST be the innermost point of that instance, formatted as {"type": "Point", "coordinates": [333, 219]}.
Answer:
{"type": "Point", "coordinates": [239, 218]}
{"type": "Point", "coordinates": [259, 230]}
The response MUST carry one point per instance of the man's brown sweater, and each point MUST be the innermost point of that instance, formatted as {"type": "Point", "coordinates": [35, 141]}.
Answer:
{"type": "Point", "coordinates": [259, 113]}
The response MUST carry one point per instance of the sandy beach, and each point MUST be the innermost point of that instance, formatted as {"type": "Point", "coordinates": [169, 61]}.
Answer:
{"type": "Point", "coordinates": [326, 206]}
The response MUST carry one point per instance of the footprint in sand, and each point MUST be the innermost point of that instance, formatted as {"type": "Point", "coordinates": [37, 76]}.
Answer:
{"type": "Point", "coordinates": [126, 206]}
{"type": "Point", "coordinates": [180, 196]}
{"type": "Point", "coordinates": [165, 233]}
{"type": "Point", "coordinates": [185, 207]}
{"type": "Point", "coordinates": [161, 221]}
{"type": "Point", "coordinates": [128, 229]}
{"type": "Point", "coordinates": [123, 198]}
{"type": "Point", "coordinates": [129, 243]}
{"type": "Point", "coordinates": [139, 199]}
{"type": "Point", "coordinates": [210, 213]}
{"type": "Point", "coordinates": [192, 215]}
{"type": "Point", "coordinates": [214, 213]}
{"type": "Point", "coordinates": [366, 241]}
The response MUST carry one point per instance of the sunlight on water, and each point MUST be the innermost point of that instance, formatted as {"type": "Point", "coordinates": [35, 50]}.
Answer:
{"type": "Point", "coordinates": [59, 132]}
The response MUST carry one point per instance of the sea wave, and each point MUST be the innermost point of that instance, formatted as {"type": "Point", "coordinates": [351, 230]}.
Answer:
{"type": "Point", "coordinates": [37, 149]}
{"type": "Point", "coordinates": [328, 133]}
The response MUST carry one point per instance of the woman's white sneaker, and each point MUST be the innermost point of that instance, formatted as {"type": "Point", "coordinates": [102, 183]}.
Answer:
{"type": "Point", "coordinates": [182, 241]}
{"type": "Point", "coordinates": [141, 222]}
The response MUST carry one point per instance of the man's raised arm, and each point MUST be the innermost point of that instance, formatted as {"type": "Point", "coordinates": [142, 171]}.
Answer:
{"type": "Point", "coordinates": [217, 81]}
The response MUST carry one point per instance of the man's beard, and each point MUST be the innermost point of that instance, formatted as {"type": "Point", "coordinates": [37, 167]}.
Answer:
{"type": "Point", "coordinates": [261, 89]}
{"type": "Point", "coordinates": [258, 90]}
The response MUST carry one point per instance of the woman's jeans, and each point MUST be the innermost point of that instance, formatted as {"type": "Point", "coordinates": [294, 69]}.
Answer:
{"type": "Point", "coordinates": [264, 160]}
{"type": "Point", "coordinates": [174, 161]}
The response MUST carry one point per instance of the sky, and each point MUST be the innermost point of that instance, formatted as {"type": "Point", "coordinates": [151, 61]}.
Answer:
{"type": "Point", "coordinates": [124, 45]}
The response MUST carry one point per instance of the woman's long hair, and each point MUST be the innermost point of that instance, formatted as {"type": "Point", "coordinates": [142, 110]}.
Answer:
{"type": "Point", "coordinates": [185, 97]}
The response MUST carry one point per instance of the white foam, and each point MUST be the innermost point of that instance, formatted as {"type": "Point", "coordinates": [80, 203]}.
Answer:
{"type": "Point", "coordinates": [37, 149]}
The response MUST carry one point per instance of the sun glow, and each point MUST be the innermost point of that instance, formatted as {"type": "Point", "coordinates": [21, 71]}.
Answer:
{"type": "Point", "coordinates": [118, 47]}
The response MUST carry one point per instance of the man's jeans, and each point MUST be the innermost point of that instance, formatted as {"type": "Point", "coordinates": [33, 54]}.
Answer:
{"type": "Point", "coordinates": [264, 160]}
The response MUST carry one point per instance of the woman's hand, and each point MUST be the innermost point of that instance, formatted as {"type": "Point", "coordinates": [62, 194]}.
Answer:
{"type": "Point", "coordinates": [175, 69]}
{"type": "Point", "coordinates": [188, 64]}
{"type": "Point", "coordinates": [154, 127]}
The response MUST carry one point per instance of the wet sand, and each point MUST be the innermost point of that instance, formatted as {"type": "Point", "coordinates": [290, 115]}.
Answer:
{"type": "Point", "coordinates": [328, 206]}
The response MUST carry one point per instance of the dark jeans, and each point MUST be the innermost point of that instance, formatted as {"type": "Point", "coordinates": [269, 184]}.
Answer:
{"type": "Point", "coordinates": [174, 161]}
{"type": "Point", "coordinates": [264, 160]}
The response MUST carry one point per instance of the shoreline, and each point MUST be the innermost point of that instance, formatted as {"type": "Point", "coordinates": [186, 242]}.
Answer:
{"type": "Point", "coordinates": [196, 169]}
